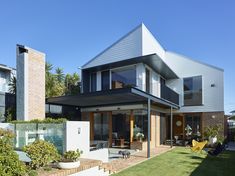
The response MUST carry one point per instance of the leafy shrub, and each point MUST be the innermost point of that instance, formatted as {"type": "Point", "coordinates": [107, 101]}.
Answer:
{"type": "Point", "coordinates": [10, 114]}
{"type": "Point", "coordinates": [10, 165]}
{"type": "Point", "coordinates": [212, 131]}
{"type": "Point", "coordinates": [46, 120]}
{"type": "Point", "coordinates": [71, 155]}
{"type": "Point", "coordinates": [41, 153]}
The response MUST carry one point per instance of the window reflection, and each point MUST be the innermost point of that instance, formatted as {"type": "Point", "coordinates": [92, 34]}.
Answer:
{"type": "Point", "coordinates": [124, 77]}
{"type": "Point", "coordinates": [193, 91]}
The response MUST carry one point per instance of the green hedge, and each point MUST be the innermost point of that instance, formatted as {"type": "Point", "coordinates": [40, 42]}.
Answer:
{"type": "Point", "coordinates": [46, 120]}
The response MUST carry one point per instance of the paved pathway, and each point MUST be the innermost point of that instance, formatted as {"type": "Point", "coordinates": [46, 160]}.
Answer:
{"type": "Point", "coordinates": [136, 158]}
{"type": "Point", "coordinates": [231, 146]}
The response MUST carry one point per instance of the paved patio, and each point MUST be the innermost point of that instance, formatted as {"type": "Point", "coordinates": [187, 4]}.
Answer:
{"type": "Point", "coordinates": [135, 158]}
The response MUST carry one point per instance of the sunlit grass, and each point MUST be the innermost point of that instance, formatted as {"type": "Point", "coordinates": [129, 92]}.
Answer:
{"type": "Point", "coordinates": [182, 162]}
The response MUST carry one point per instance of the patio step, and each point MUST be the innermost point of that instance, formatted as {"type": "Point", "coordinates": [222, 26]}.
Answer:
{"type": "Point", "coordinates": [94, 171]}
{"type": "Point", "coordinates": [107, 167]}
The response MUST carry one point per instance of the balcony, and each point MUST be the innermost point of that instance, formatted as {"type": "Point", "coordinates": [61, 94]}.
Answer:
{"type": "Point", "coordinates": [169, 94]}
{"type": "Point", "coordinates": [166, 92]}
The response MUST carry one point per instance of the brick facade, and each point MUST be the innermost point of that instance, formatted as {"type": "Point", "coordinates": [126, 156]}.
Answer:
{"type": "Point", "coordinates": [36, 85]}
{"type": "Point", "coordinates": [212, 119]}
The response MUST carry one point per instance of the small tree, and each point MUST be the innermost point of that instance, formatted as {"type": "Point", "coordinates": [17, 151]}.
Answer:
{"type": "Point", "coordinates": [9, 160]}
{"type": "Point", "coordinates": [12, 85]}
{"type": "Point", "coordinates": [41, 153]}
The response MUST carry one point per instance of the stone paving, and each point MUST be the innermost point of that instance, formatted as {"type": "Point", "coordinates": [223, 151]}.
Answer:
{"type": "Point", "coordinates": [136, 158]}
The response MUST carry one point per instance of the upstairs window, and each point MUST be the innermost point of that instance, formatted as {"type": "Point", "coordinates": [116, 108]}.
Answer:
{"type": "Point", "coordinates": [193, 91]}
{"type": "Point", "coordinates": [147, 80]}
{"type": "Point", "coordinates": [93, 82]}
{"type": "Point", "coordinates": [124, 77]}
{"type": "Point", "coordinates": [105, 80]}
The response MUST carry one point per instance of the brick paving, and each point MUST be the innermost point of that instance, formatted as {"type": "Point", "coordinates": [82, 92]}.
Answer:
{"type": "Point", "coordinates": [85, 164]}
{"type": "Point", "coordinates": [135, 158]}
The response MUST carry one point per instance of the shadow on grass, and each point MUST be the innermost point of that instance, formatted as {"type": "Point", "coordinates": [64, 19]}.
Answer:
{"type": "Point", "coordinates": [221, 165]}
{"type": "Point", "coordinates": [183, 153]}
{"type": "Point", "coordinates": [196, 157]}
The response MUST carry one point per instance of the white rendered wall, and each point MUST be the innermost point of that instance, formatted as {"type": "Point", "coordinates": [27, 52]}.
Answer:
{"type": "Point", "coordinates": [74, 140]}
{"type": "Point", "coordinates": [150, 45]}
{"type": "Point", "coordinates": [213, 97]}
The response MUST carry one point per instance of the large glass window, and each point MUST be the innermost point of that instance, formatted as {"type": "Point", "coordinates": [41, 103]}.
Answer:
{"type": "Point", "coordinates": [193, 91]}
{"type": "Point", "coordinates": [124, 77]}
{"type": "Point", "coordinates": [147, 80]}
{"type": "Point", "coordinates": [121, 126]}
{"type": "Point", "coordinates": [105, 80]}
{"type": "Point", "coordinates": [194, 121]}
{"type": "Point", "coordinates": [101, 131]}
{"type": "Point", "coordinates": [93, 82]}
{"type": "Point", "coordinates": [140, 123]}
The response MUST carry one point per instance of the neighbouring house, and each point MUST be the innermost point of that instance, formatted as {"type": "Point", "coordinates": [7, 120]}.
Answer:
{"type": "Point", "coordinates": [137, 87]}
{"type": "Point", "coordinates": [7, 99]}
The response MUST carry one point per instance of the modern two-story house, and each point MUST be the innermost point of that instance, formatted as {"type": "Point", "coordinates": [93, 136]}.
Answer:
{"type": "Point", "coordinates": [136, 86]}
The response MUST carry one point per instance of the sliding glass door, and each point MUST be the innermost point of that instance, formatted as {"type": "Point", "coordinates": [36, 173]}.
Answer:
{"type": "Point", "coordinates": [101, 126]}
{"type": "Point", "coordinates": [121, 128]}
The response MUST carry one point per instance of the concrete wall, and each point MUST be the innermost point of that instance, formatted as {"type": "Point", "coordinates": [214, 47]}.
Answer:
{"type": "Point", "coordinates": [30, 84]}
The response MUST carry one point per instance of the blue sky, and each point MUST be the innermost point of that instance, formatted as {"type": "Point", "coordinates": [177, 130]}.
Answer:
{"type": "Point", "coordinates": [71, 32]}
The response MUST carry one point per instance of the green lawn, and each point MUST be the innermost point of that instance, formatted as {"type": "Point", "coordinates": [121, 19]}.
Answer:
{"type": "Point", "coordinates": [182, 162]}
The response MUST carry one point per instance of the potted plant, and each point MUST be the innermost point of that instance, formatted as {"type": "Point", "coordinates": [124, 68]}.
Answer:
{"type": "Point", "coordinates": [188, 131]}
{"type": "Point", "coordinates": [211, 133]}
{"type": "Point", "coordinates": [140, 136]}
{"type": "Point", "coordinates": [70, 159]}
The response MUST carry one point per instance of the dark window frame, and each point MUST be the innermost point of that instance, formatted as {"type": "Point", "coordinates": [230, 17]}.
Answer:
{"type": "Point", "coordinates": [193, 93]}
{"type": "Point", "coordinates": [122, 84]}
{"type": "Point", "coordinates": [104, 78]}
{"type": "Point", "coordinates": [147, 80]}
{"type": "Point", "coordinates": [93, 87]}
{"type": "Point", "coordinates": [195, 119]}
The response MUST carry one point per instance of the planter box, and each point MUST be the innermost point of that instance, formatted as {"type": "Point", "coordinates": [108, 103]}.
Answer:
{"type": "Point", "coordinates": [137, 145]}
{"type": "Point", "coordinates": [68, 165]}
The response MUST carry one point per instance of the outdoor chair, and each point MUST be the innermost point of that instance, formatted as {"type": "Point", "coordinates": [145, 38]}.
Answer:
{"type": "Point", "coordinates": [194, 142]}
{"type": "Point", "coordinates": [198, 146]}
{"type": "Point", "coordinates": [99, 145]}
{"type": "Point", "coordinates": [219, 148]}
